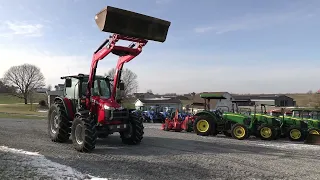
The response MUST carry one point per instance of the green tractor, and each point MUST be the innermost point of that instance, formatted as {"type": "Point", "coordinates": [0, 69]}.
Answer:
{"type": "Point", "coordinates": [233, 124]}
{"type": "Point", "coordinates": [306, 115]}
{"type": "Point", "coordinates": [293, 125]}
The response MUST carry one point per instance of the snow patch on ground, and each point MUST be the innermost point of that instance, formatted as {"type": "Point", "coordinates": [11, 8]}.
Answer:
{"type": "Point", "coordinates": [290, 146]}
{"type": "Point", "coordinates": [39, 165]}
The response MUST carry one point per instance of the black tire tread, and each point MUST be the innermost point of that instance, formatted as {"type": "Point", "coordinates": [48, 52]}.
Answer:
{"type": "Point", "coordinates": [64, 129]}
{"type": "Point", "coordinates": [90, 136]}
{"type": "Point", "coordinates": [137, 131]}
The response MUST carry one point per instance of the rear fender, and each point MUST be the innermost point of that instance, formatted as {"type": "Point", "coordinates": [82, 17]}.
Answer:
{"type": "Point", "coordinates": [68, 106]}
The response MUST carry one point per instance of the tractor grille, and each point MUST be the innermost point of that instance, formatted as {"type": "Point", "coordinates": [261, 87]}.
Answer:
{"type": "Point", "coordinates": [303, 125]}
{"type": "Point", "coordinates": [117, 114]}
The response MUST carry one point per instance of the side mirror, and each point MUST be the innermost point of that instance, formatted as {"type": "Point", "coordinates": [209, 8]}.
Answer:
{"type": "Point", "coordinates": [121, 86]}
{"type": "Point", "coordinates": [68, 83]}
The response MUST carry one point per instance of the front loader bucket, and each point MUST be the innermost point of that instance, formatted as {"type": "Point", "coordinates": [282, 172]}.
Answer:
{"type": "Point", "coordinates": [127, 23]}
{"type": "Point", "coordinates": [313, 139]}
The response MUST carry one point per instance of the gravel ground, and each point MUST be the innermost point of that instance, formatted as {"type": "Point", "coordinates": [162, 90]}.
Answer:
{"type": "Point", "coordinates": [162, 155]}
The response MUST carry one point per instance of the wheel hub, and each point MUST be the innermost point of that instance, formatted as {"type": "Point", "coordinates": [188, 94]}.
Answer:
{"type": "Point", "coordinates": [203, 126]}
{"type": "Point", "coordinates": [129, 131]}
{"type": "Point", "coordinates": [266, 132]}
{"type": "Point", "coordinates": [54, 123]}
{"type": "Point", "coordinates": [295, 134]}
{"type": "Point", "coordinates": [239, 132]}
{"type": "Point", "coordinates": [79, 134]}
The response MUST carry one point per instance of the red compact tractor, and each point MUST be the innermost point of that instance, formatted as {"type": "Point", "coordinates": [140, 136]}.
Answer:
{"type": "Point", "coordinates": [177, 124]}
{"type": "Point", "coordinates": [89, 108]}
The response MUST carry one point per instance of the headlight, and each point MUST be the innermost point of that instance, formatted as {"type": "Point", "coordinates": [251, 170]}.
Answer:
{"type": "Point", "coordinates": [108, 108]}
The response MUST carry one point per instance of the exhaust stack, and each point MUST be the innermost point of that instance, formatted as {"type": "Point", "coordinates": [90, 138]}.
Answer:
{"type": "Point", "coordinates": [128, 23]}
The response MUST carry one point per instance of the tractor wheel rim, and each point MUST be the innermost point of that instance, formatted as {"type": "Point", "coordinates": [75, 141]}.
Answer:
{"type": "Point", "coordinates": [295, 134]}
{"type": "Point", "coordinates": [314, 132]}
{"type": "Point", "coordinates": [266, 132]}
{"type": "Point", "coordinates": [128, 134]}
{"type": "Point", "coordinates": [78, 134]}
{"type": "Point", "coordinates": [239, 132]}
{"type": "Point", "coordinates": [203, 126]}
{"type": "Point", "coordinates": [54, 123]}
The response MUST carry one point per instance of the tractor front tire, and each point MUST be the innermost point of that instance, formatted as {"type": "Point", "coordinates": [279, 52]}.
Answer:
{"type": "Point", "coordinates": [239, 131]}
{"type": "Point", "coordinates": [296, 134]}
{"type": "Point", "coordinates": [84, 134]}
{"type": "Point", "coordinates": [266, 132]}
{"type": "Point", "coordinates": [134, 135]}
{"type": "Point", "coordinates": [204, 126]}
{"type": "Point", "coordinates": [59, 125]}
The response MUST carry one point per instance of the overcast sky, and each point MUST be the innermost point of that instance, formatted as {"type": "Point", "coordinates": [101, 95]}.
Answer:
{"type": "Point", "coordinates": [247, 46]}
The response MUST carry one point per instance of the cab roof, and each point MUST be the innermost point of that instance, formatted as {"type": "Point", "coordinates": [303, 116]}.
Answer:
{"type": "Point", "coordinates": [79, 76]}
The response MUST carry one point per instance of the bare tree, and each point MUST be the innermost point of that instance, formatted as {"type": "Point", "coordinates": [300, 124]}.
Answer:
{"type": "Point", "coordinates": [129, 79]}
{"type": "Point", "coordinates": [25, 78]}
{"type": "Point", "coordinates": [49, 87]}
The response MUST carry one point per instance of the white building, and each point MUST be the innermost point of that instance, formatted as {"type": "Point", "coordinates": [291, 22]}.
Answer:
{"type": "Point", "coordinates": [145, 104]}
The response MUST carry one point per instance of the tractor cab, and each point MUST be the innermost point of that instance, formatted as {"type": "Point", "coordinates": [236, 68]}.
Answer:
{"type": "Point", "coordinates": [315, 114]}
{"type": "Point", "coordinates": [305, 115]}
{"type": "Point", "coordinates": [76, 86]}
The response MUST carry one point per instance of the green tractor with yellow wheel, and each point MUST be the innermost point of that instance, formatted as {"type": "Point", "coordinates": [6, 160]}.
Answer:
{"type": "Point", "coordinates": [293, 125]}
{"type": "Point", "coordinates": [313, 125]}
{"type": "Point", "coordinates": [233, 124]}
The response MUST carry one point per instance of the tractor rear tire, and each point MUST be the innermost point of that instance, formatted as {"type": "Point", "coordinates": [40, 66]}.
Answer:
{"type": "Point", "coordinates": [84, 133]}
{"type": "Point", "coordinates": [208, 126]}
{"type": "Point", "coordinates": [313, 131]}
{"type": "Point", "coordinates": [134, 135]}
{"type": "Point", "coordinates": [266, 132]}
{"type": "Point", "coordinates": [59, 125]}
{"type": "Point", "coordinates": [296, 134]}
{"type": "Point", "coordinates": [239, 131]}
{"type": "Point", "coordinates": [189, 126]}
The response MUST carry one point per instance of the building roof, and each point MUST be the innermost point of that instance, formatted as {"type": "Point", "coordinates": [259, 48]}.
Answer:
{"type": "Point", "coordinates": [54, 93]}
{"type": "Point", "coordinates": [160, 101]}
{"type": "Point", "coordinates": [258, 96]}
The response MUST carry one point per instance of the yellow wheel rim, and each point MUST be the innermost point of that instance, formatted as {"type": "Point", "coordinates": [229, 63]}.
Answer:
{"type": "Point", "coordinates": [202, 126]}
{"type": "Point", "coordinates": [295, 134]}
{"type": "Point", "coordinates": [239, 132]}
{"type": "Point", "coordinates": [313, 132]}
{"type": "Point", "coordinates": [266, 132]}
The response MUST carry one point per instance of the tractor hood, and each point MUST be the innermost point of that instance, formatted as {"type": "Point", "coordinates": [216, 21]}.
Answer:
{"type": "Point", "coordinates": [106, 103]}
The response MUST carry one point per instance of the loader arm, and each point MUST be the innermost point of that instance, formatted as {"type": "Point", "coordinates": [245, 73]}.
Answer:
{"type": "Point", "coordinates": [125, 54]}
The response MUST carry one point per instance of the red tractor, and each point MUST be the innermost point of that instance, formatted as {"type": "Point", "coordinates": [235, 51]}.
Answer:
{"type": "Point", "coordinates": [89, 108]}
{"type": "Point", "coordinates": [177, 124]}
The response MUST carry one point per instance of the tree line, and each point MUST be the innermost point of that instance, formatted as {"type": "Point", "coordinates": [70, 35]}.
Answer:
{"type": "Point", "coordinates": [23, 80]}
